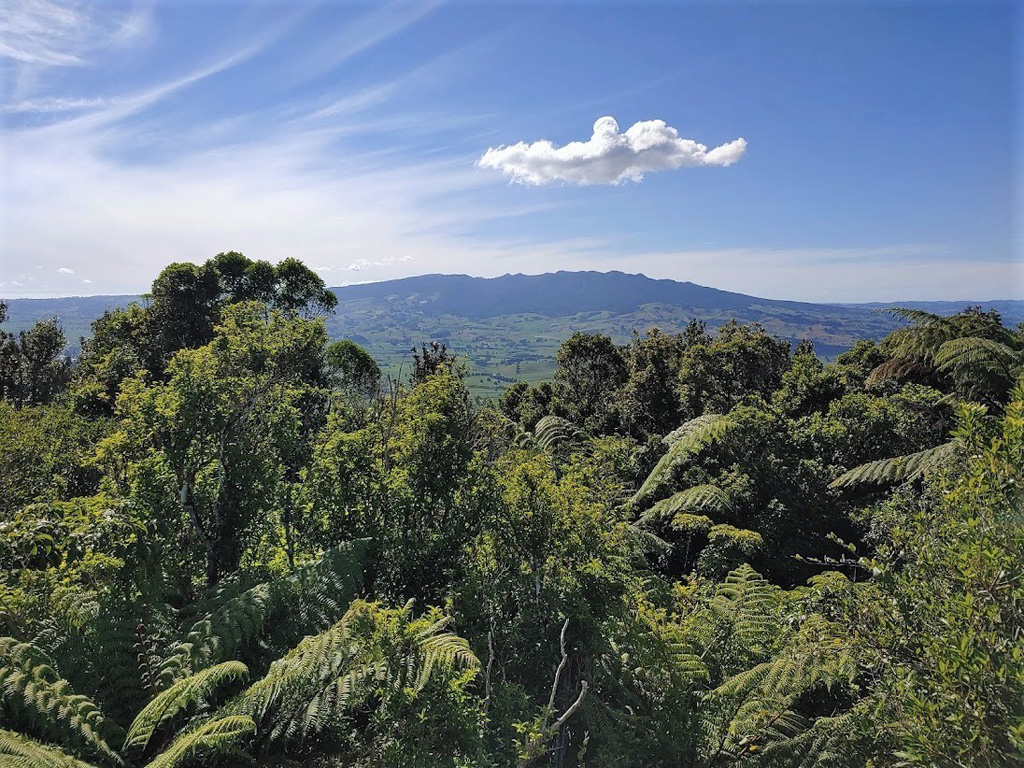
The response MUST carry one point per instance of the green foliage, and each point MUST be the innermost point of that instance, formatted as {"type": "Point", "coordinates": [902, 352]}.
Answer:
{"type": "Point", "coordinates": [942, 618]}
{"type": "Point", "coordinates": [627, 591]}
{"type": "Point", "coordinates": [47, 454]}
{"type": "Point", "coordinates": [17, 751]}
{"type": "Point", "coordinates": [216, 737]}
{"type": "Point", "coordinates": [37, 699]}
{"type": "Point", "coordinates": [589, 370]}
{"type": "Point", "coordinates": [717, 374]}
{"type": "Point", "coordinates": [167, 705]}
{"type": "Point", "coordinates": [403, 480]}
{"type": "Point", "coordinates": [186, 304]}
{"type": "Point", "coordinates": [684, 443]}
{"type": "Point", "coordinates": [354, 371]}
{"type": "Point", "coordinates": [208, 445]}
{"type": "Point", "coordinates": [33, 367]}
{"type": "Point", "coordinates": [649, 399]}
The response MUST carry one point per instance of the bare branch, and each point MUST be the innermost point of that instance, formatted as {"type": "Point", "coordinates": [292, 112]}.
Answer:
{"type": "Point", "coordinates": [558, 673]}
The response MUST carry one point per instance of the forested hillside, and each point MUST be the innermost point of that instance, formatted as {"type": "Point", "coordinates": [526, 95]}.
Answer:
{"type": "Point", "coordinates": [228, 541]}
{"type": "Point", "coordinates": [509, 328]}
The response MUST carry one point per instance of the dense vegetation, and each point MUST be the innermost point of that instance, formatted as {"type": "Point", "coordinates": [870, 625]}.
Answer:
{"type": "Point", "coordinates": [229, 542]}
{"type": "Point", "coordinates": [509, 328]}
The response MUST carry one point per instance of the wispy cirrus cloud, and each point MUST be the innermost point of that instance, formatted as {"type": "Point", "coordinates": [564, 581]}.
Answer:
{"type": "Point", "coordinates": [608, 157]}
{"type": "Point", "coordinates": [280, 187]}
{"type": "Point", "coordinates": [36, 35]}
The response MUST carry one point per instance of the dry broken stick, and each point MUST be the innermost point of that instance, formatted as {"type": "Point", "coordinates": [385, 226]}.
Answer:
{"type": "Point", "coordinates": [537, 745]}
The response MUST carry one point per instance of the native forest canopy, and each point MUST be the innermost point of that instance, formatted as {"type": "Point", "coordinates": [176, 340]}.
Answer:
{"type": "Point", "coordinates": [227, 541]}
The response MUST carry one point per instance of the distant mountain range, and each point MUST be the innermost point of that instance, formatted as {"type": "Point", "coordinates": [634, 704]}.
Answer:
{"type": "Point", "coordinates": [509, 327]}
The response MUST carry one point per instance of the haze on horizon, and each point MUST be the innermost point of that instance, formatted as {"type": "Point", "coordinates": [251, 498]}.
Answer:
{"type": "Point", "coordinates": [855, 152]}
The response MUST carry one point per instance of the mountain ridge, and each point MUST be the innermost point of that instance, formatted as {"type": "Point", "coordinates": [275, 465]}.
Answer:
{"type": "Point", "coordinates": [509, 327]}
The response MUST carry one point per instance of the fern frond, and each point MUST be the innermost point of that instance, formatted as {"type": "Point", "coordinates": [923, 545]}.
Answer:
{"type": "Point", "coordinates": [446, 651]}
{"type": "Point", "coordinates": [327, 675]}
{"type": "Point", "coordinates": [898, 469]}
{"type": "Point", "coordinates": [553, 431]}
{"type": "Point", "coordinates": [17, 751]}
{"type": "Point", "coordinates": [217, 737]}
{"type": "Point", "coordinates": [513, 432]}
{"type": "Point", "coordinates": [914, 316]}
{"type": "Point", "coordinates": [749, 603]}
{"type": "Point", "coordinates": [687, 428]}
{"type": "Point", "coordinates": [179, 697]}
{"type": "Point", "coordinates": [826, 743]}
{"type": "Point", "coordinates": [981, 365]}
{"type": "Point", "coordinates": [33, 695]}
{"type": "Point", "coordinates": [311, 598]}
{"type": "Point", "coordinates": [703, 498]}
{"type": "Point", "coordinates": [690, 440]}
{"type": "Point", "coordinates": [895, 369]}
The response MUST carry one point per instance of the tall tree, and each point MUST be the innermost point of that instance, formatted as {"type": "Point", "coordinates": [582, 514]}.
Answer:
{"type": "Point", "coordinates": [649, 402]}
{"type": "Point", "coordinates": [210, 442]}
{"type": "Point", "coordinates": [590, 368]}
{"type": "Point", "coordinates": [740, 361]}
{"type": "Point", "coordinates": [34, 368]}
{"type": "Point", "coordinates": [184, 306]}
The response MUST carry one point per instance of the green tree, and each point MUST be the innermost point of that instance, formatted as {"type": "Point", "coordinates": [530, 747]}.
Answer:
{"type": "Point", "coordinates": [649, 402]}
{"type": "Point", "coordinates": [589, 371]}
{"type": "Point", "coordinates": [740, 361]}
{"type": "Point", "coordinates": [209, 442]}
{"type": "Point", "coordinates": [34, 369]}
{"type": "Point", "coordinates": [352, 369]}
{"type": "Point", "coordinates": [182, 311]}
{"type": "Point", "coordinates": [406, 480]}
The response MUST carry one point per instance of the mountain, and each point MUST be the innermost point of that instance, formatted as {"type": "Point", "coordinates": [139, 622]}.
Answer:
{"type": "Point", "coordinates": [510, 327]}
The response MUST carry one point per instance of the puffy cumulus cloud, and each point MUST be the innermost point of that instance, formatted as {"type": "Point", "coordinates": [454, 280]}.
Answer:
{"type": "Point", "coordinates": [65, 271]}
{"type": "Point", "coordinates": [609, 157]}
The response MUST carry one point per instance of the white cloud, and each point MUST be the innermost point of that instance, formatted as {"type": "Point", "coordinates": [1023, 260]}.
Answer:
{"type": "Point", "coordinates": [608, 157]}
{"type": "Point", "coordinates": [364, 264]}
{"type": "Point", "coordinates": [49, 33]}
{"type": "Point", "coordinates": [65, 271]}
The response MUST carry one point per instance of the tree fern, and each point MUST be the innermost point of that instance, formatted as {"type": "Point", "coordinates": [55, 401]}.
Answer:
{"type": "Point", "coordinates": [34, 696]}
{"type": "Point", "coordinates": [759, 703]}
{"type": "Point", "coordinates": [981, 365]}
{"type": "Point", "coordinates": [17, 751]}
{"type": "Point", "coordinates": [699, 498]}
{"type": "Point", "coordinates": [691, 438]}
{"type": "Point", "coordinates": [553, 431]}
{"type": "Point", "coordinates": [898, 469]}
{"type": "Point", "coordinates": [746, 607]}
{"type": "Point", "coordinates": [327, 675]}
{"type": "Point", "coordinates": [310, 598]}
{"type": "Point", "coordinates": [110, 655]}
{"type": "Point", "coordinates": [216, 737]}
{"type": "Point", "coordinates": [184, 694]}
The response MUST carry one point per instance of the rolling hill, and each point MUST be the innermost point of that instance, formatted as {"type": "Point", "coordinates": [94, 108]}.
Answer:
{"type": "Point", "coordinates": [509, 327]}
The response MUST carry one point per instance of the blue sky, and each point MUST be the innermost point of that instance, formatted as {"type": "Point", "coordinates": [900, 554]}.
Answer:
{"type": "Point", "coordinates": [878, 158]}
